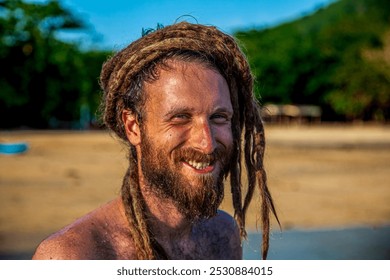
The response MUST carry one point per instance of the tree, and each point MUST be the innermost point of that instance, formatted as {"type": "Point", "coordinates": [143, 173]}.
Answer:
{"type": "Point", "coordinates": [335, 58]}
{"type": "Point", "coordinates": [43, 80]}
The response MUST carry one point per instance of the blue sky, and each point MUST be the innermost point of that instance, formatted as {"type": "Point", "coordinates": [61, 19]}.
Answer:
{"type": "Point", "coordinates": [116, 23]}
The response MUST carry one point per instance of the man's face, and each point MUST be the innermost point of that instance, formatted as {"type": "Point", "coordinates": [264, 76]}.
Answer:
{"type": "Point", "coordinates": [186, 138]}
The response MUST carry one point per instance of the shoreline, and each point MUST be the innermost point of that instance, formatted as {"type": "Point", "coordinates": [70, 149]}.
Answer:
{"type": "Point", "coordinates": [301, 244]}
{"type": "Point", "coordinates": [321, 177]}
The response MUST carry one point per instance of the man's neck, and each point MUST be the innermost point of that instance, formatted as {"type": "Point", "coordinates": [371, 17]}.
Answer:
{"type": "Point", "coordinates": [166, 220]}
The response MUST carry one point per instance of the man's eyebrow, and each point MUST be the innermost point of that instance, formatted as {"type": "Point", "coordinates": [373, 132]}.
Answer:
{"type": "Point", "coordinates": [177, 110]}
{"type": "Point", "coordinates": [224, 109]}
{"type": "Point", "coordinates": [186, 109]}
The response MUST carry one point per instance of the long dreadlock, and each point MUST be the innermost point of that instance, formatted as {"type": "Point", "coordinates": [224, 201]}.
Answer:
{"type": "Point", "coordinates": [122, 80]}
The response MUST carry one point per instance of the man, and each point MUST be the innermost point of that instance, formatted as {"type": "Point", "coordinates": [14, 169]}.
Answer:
{"type": "Point", "coordinates": [180, 98]}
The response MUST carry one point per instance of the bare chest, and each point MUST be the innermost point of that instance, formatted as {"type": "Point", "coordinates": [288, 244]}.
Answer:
{"type": "Point", "coordinates": [205, 246]}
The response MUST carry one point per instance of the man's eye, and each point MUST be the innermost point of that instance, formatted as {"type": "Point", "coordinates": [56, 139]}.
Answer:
{"type": "Point", "coordinates": [180, 118]}
{"type": "Point", "coordinates": [220, 118]}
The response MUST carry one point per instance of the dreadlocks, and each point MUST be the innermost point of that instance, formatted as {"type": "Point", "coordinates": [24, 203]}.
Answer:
{"type": "Point", "coordinates": [122, 80]}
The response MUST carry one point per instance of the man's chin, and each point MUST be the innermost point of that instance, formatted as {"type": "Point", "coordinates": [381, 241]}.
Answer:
{"type": "Point", "coordinates": [203, 209]}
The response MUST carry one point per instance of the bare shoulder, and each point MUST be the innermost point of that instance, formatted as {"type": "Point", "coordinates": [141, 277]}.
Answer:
{"type": "Point", "coordinates": [224, 224]}
{"type": "Point", "coordinates": [223, 237]}
{"type": "Point", "coordinates": [97, 235]}
{"type": "Point", "coordinates": [226, 220]}
{"type": "Point", "coordinates": [67, 244]}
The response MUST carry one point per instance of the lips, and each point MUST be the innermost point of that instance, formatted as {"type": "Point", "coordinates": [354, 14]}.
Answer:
{"type": "Point", "coordinates": [197, 161]}
{"type": "Point", "coordinates": [198, 165]}
{"type": "Point", "coordinates": [203, 167]}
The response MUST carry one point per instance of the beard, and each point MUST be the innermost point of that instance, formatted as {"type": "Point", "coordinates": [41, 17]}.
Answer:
{"type": "Point", "coordinates": [197, 198]}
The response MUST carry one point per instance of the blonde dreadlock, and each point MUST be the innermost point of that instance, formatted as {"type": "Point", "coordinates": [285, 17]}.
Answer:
{"type": "Point", "coordinates": [122, 80]}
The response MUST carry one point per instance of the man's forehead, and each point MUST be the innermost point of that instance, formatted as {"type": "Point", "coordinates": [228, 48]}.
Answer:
{"type": "Point", "coordinates": [182, 84]}
{"type": "Point", "coordinates": [181, 65]}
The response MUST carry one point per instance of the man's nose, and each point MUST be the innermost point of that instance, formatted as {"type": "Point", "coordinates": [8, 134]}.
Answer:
{"type": "Point", "coordinates": [202, 137]}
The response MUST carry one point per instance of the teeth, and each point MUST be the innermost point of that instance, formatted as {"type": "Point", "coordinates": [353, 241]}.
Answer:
{"type": "Point", "coordinates": [198, 165]}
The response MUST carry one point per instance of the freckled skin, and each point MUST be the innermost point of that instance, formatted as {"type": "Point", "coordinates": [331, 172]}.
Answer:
{"type": "Point", "coordinates": [188, 106]}
{"type": "Point", "coordinates": [209, 242]}
{"type": "Point", "coordinates": [103, 234]}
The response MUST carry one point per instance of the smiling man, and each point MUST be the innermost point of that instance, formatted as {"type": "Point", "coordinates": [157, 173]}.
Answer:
{"type": "Point", "coordinates": [180, 98]}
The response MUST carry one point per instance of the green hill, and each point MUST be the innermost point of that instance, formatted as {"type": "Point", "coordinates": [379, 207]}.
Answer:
{"type": "Point", "coordinates": [337, 58]}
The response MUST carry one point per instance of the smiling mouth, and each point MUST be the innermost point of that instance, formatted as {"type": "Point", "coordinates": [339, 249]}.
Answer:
{"type": "Point", "coordinates": [200, 166]}
{"type": "Point", "coordinates": [197, 161]}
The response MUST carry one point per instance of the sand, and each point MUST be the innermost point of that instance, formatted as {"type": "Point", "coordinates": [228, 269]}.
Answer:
{"type": "Point", "coordinates": [320, 177]}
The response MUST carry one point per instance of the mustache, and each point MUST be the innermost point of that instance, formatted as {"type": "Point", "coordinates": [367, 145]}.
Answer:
{"type": "Point", "coordinates": [187, 154]}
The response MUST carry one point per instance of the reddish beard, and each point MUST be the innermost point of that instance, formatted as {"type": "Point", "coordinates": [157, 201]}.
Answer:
{"type": "Point", "coordinates": [198, 198]}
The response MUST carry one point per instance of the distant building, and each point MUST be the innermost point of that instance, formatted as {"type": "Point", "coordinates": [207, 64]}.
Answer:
{"type": "Point", "coordinates": [289, 113]}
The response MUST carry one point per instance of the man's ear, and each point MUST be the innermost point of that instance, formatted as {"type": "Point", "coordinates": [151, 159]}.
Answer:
{"type": "Point", "coordinates": [132, 129]}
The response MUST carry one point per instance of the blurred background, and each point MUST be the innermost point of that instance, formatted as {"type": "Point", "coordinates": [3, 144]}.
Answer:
{"type": "Point", "coordinates": [322, 73]}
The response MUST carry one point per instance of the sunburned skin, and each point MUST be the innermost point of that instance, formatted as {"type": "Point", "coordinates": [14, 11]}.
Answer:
{"type": "Point", "coordinates": [103, 234]}
{"type": "Point", "coordinates": [190, 109]}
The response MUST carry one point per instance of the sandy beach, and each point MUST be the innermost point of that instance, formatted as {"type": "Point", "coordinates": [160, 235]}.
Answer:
{"type": "Point", "coordinates": [320, 176]}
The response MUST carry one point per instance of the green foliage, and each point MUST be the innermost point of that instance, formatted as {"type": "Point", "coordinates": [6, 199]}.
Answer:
{"type": "Point", "coordinates": [337, 58]}
{"type": "Point", "coordinates": [44, 82]}
{"type": "Point", "coordinates": [326, 59]}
